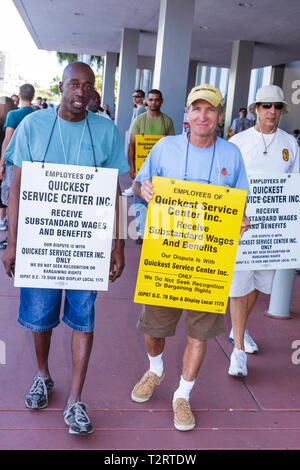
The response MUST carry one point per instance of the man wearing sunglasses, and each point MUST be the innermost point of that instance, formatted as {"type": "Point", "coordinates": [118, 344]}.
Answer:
{"type": "Point", "coordinates": [138, 101]}
{"type": "Point", "coordinates": [265, 148]}
{"type": "Point", "coordinates": [138, 97]}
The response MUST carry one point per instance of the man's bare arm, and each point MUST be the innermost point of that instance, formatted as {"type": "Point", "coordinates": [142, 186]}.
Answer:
{"type": "Point", "coordinates": [12, 212]}
{"type": "Point", "coordinates": [245, 225]}
{"type": "Point", "coordinates": [117, 262]}
{"type": "Point", "coordinates": [136, 187]}
{"type": "Point", "coordinates": [131, 155]}
{"type": "Point", "coordinates": [143, 191]}
{"type": "Point", "coordinates": [8, 135]}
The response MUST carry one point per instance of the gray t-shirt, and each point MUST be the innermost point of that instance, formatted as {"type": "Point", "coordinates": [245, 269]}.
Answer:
{"type": "Point", "coordinates": [137, 111]}
{"type": "Point", "coordinates": [241, 124]}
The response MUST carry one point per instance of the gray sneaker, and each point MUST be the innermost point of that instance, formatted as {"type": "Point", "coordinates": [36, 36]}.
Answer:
{"type": "Point", "coordinates": [3, 224]}
{"type": "Point", "coordinates": [37, 397]}
{"type": "Point", "coordinates": [76, 418]}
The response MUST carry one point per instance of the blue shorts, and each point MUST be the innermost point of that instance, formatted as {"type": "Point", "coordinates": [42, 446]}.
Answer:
{"type": "Point", "coordinates": [40, 309]}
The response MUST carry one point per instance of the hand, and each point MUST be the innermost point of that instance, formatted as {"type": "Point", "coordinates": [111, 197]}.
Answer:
{"type": "Point", "coordinates": [117, 263]}
{"type": "Point", "coordinates": [8, 259]}
{"type": "Point", "coordinates": [2, 170]}
{"type": "Point", "coordinates": [147, 190]}
{"type": "Point", "coordinates": [245, 225]}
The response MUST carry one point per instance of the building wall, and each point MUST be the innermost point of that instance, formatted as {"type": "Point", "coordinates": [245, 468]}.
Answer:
{"type": "Point", "coordinates": [291, 89]}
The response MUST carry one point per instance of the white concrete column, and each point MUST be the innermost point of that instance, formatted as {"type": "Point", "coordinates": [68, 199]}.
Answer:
{"type": "Point", "coordinates": [258, 81]}
{"type": "Point", "coordinates": [198, 74]}
{"type": "Point", "coordinates": [146, 81]}
{"type": "Point", "coordinates": [281, 294]}
{"type": "Point", "coordinates": [218, 77]}
{"type": "Point", "coordinates": [138, 76]}
{"type": "Point", "coordinates": [224, 81]}
{"type": "Point", "coordinates": [252, 91]}
{"type": "Point", "coordinates": [213, 76]}
{"type": "Point", "coordinates": [108, 81]}
{"type": "Point", "coordinates": [127, 74]}
{"type": "Point", "coordinates": [207, 74]}
{"type": "Point", "coordinates": [267, 75]}
{"type": "Point", "coordinates": [86, 58]}
{"type": "Point", "coordinates": [240, 71]}
{"type": "Point", "coordinates": [173, 55]}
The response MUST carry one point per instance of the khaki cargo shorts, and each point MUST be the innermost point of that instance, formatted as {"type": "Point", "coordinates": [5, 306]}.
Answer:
{"type": "Point", "coordinates": [160, 322]}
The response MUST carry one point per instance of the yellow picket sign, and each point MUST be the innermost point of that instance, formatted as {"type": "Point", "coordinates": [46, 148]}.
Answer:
{"type": "Point", "coordinates": [189, 248]}
{"type": "Point", "coordinates": [143, 145]}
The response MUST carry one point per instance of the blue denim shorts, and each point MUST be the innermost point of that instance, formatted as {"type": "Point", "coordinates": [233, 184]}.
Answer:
{"type": "Point", "coordinates": [40, 309]}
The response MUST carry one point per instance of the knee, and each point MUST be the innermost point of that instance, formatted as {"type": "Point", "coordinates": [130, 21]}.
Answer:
{"type": "Point", "coordinates": [154, 345]}
{"type": "Point", "coordinates": [238, 299]}
{"type": "Point", "coordinates": [196, 343]}
{"type": "Point", "coordinates": [238, 302]}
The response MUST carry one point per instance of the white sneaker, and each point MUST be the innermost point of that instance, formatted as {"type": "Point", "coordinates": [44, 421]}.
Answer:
{"type": "Point", "coordinates": [238, 363]}
{"type": "Point", "coordinates": [249, 344]}
{"type": "Point", "coordinates": [128, 192]}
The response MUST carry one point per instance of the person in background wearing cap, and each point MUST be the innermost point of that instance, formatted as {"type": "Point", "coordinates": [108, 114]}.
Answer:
{"type": "Point", "coordinates": [198, 156]}
{"type": "Point", "coordinates": [265, 148]}
{"type": "Point", "coordinates": [241, 123]}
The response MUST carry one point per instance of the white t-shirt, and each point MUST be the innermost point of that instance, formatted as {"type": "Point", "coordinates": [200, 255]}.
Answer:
{"type": "Point", "coordinates": [282, 151]}
{"type": "Point", "coordinates": [103, 114]}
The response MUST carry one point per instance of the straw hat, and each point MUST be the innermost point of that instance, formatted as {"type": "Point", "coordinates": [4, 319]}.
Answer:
{"type": "Point", "coordinates": [269, 94]}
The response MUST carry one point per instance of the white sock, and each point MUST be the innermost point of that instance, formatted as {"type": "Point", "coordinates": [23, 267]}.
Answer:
{"type": "Point", "coordinates": [156, 364]}
{"type": "Point", "coordinates": [184, 389]}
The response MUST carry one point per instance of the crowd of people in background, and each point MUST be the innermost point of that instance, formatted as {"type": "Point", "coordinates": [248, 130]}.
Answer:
{"type": "Point", "coordinates": [20, 106]}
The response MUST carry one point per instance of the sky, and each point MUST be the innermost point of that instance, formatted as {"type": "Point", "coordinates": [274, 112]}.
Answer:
{"type": "Point", "coordinates": [29, 62]}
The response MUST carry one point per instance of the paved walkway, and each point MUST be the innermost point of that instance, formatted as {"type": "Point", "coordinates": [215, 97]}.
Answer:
{"type": "Point", "coordinates": [258, 412]}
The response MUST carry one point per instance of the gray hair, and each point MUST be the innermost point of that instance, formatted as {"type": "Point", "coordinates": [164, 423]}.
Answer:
{"type": "Point", "coordinates": [220, 108]}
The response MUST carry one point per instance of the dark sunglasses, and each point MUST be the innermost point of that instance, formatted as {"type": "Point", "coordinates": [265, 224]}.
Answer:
{"type": "Point", "coordinates": [269, 105]}
{"type": "Point", "coordinates": [137, 96]}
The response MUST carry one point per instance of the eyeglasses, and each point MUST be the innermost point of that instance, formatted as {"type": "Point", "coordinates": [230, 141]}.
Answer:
{"type": "Point", "coordinates": [278, 106]}
{"type": "Point", "coordinates": [137, 96]}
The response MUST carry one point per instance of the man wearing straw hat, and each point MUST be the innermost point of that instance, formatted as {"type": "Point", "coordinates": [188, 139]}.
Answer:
{"type": "Point", "coordinates": [264, 148]}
